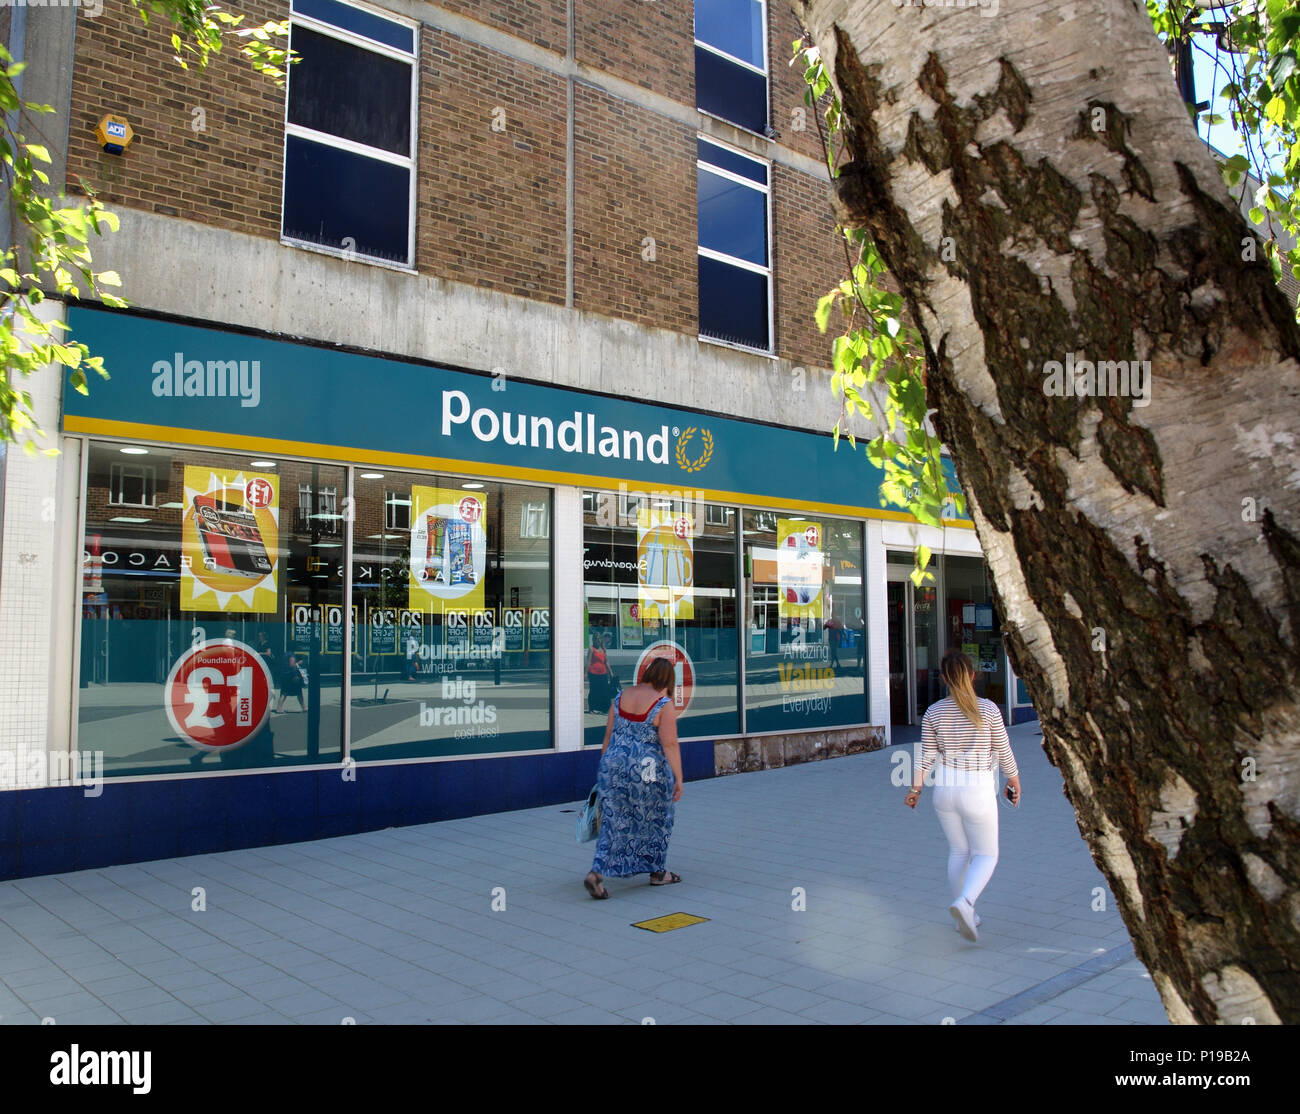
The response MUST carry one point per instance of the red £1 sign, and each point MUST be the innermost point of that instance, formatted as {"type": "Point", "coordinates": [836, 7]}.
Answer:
{"type": "Point", "coordinates": [218, 695]}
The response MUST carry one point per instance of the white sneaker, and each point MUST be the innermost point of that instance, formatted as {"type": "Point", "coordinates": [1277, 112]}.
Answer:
{"type": "Point", "coordinates": [963, 914]}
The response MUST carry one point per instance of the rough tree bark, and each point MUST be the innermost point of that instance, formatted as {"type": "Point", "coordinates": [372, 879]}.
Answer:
{"type": "Point", "coordinates": [1032, 180]}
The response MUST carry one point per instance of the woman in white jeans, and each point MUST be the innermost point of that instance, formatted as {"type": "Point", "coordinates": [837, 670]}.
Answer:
{"type": "Point", "coordinates": [963, 736]}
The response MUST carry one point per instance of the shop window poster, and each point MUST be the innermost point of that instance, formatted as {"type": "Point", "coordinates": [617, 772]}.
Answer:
{"type": "Point", "coordinates": [665, 561]}
{"type": "Point", "coordinates": [799, 568]}
{"type": "Point", "coordinates": [448, 550]}
{"type": "Point", "coordinates": [630, 617]}
{"type": "Point", "coordinates": [230, 540]}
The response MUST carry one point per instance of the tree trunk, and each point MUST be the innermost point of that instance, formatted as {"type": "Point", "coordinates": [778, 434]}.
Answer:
{"type": "Point", "coordinates": [1034, 183]}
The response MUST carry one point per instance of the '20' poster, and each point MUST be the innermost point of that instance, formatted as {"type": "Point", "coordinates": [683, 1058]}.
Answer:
{"type": "Point", "coordinates": [230, 541]}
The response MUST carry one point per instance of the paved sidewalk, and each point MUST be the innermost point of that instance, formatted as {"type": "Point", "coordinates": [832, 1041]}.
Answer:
{"type": "Point", "coordinates": [398, 926]}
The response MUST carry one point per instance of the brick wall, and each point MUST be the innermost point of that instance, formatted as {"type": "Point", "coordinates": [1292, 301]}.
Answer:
{"type": "Point", "coordinates": [809, 262]}
{"type": "Point", "coordinates": [537, 21]}
{"type": "Point", "coordinates": [221, 165]}
{"type": "Point", "coordinates": [491, 202]}
{"type": "Point", "coordinates": [634, 178]}
{"type": "Point", "coordinates": [649, 43]}
{"type": "Point", "coordinates": [797, 132]}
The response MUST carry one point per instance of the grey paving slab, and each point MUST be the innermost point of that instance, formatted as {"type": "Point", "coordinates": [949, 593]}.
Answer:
{"type": "Point", "coordinates": [397, 926]}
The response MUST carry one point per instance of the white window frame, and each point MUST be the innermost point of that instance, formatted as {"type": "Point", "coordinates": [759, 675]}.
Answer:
{"type": "Point", "coordinates": [722, 518]}
{"type": "Point", "coordinates": [146, 473]}
{"type": "Point", "coordinates": [528, 512]}
{"type": "Point", "coordinates": [330, 507]}
{"type": "Point", "coordinates": [324, 138]}
{"type": "Point", "coordinates": [743, 264]}
{"type": "Point", "coordinates": [391, 505]}
{"type": "Point", "coordinates": [765, 71]}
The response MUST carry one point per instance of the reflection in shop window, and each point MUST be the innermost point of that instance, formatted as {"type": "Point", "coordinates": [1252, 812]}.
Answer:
{"type": "Point", "coordinates": [319, 509]}
{"type": "Point", "coordinates": [535, 521]}
{"type": "Point", "coordinates": [805, 641]}
{"type": "Point", "coordinates": [661, 583]}
{"type": "Point", "coordinates": [397, 511]}
{"type": "Point", "coordinates": [453, 612]}
{"type": "Point", "coordinates": [132, 485]}
{"type": "Point", "coordinates": [202, 642]}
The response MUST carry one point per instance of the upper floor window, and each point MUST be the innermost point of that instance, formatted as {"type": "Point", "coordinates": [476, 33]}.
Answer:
{"type": "Point", "coordinates": [132, 485]}
{"type": "Point", "coordinates": [734, 261]}
{"type": "Point", "coordinates": [349, 143]}
{"type": "Point", "coordinates": [731, 61]}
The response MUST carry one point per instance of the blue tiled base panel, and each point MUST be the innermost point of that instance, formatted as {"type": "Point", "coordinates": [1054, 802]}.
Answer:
{"type": "Point", "coordinates": [50, 831]}
{"type": "Point", "coordinates": [1023, 715]}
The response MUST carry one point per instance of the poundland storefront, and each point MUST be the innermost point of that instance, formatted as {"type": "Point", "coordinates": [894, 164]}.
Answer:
{"type": "Point", "coordinates": [321, 592]}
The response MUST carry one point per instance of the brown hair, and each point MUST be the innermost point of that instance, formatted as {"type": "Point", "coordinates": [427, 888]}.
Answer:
{"type": "Point", "coordinates": [958, 673]}
{"type": "Point", "coordinates": [659, 674]}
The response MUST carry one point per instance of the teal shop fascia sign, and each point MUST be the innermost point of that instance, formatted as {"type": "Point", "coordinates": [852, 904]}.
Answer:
{"type": "Point", "coordinates": [198, 386]}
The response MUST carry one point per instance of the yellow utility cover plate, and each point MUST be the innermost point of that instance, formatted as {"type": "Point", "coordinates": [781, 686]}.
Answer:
{"type": "Point", "coordinates": [669, 922]}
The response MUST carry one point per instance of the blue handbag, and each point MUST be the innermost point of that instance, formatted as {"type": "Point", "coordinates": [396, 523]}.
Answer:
{"type": "Point", "coordinates": [588, 823]}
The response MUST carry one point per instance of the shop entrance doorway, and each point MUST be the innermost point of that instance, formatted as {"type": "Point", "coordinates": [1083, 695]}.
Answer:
{"type": "Point", "coordinates": [913, 648]}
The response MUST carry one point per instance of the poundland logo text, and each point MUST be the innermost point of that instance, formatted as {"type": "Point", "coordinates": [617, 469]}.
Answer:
{"type": "Point", "coordinates": [573, 435]}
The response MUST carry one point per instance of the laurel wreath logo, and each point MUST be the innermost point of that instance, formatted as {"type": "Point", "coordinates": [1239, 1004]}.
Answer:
{"type": "Point", "coordinates": [706, 443]}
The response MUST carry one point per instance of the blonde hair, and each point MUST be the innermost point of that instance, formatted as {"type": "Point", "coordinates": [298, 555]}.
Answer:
{"type": "Point", "coordinates": [958, 673]}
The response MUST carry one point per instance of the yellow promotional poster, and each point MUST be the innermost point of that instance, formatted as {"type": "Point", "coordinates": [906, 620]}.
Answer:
{"type": "Point", "coordinates": [665, 564]}
{"type": "Point", "coordinates": [448, 550]}
{"type": "Point", "coordinates": [799, 568]}
{"type": "Point", "coordinates": [230, 541]}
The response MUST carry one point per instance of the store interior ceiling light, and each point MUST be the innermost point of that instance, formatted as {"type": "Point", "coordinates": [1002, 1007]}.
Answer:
{"type": "Point", "coordinates": [132, 450]}
{"type": "Point", "coordinates": [171, 506]}
{"type": "Point", "coordinates": [372, 475]}
{"type": "Point", "coordinates": [124, 519]}
{"type": "Point", "coordinates": [472, 487]}
{"type": "Point", "coordinates": [262, 463]}
{"type": "Point", "coordinates": [327, 545]}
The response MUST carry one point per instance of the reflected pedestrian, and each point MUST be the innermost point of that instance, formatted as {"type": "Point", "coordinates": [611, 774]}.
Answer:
{"type": "Point", "coordinates": [638, 783]}
{"type": "Point", "coordinates": [963, 737]}
{"type": "Point", "coordinates": [598, 694]}
{"type": "Point", "coordinates": [291, 681]}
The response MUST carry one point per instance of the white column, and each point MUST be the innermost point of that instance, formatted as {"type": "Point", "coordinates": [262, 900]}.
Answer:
{"type": "Point", "coordinates": [31, 563]}
{"type": "Point", "coordinates": [566, 618]}
{"type": "Point", "coordinates": [877, 627]}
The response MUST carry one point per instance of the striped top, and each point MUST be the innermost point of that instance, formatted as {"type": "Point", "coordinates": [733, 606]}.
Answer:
{"type": "Point", "coordinates": [948, 736]}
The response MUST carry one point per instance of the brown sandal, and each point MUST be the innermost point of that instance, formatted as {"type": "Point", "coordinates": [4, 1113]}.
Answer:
{"type": "Point", "coordinates": [595, 888]}
{"type": "Point", "coordinates": [666, 878]}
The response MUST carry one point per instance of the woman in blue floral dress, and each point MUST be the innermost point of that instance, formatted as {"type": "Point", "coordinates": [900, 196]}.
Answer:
{"type": "Point", "coordinates": [638, 783]}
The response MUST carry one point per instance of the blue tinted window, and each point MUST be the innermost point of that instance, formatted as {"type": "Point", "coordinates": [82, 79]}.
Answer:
{"type": "Point", "coordinates": [733, 304]}
{"type": "Point", "coordinates": [729, 160]}
{"type": "Point", "coordinates": [347, 18]}
{"type": "Point", "coordinates": [730, 91]}
{"type": "Point", "coordinates": [733, 218]}
{"type": "Point", "coordinates": [351, 92]}
{"type": "Point", "coordinates": [735, 26]}
{"type": "Point", "coordinates": [332, 195]}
